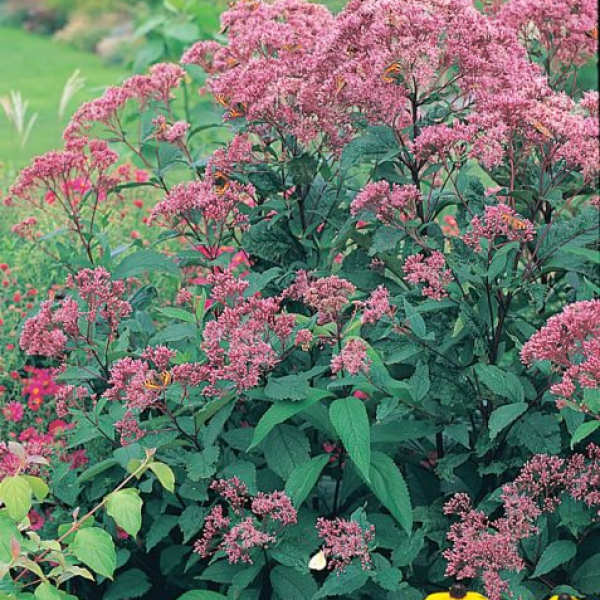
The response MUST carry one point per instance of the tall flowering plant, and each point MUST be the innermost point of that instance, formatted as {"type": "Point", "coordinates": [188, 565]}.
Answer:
{"type": "Point", "coordinates": [362, 357]}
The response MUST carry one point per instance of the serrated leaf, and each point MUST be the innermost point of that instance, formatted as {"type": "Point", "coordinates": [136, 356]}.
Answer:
{"type": "Point", "coordinates": [555, 555]}
{"type": "Point", "coordinates": [503, 383]}
{"type": "Point", "coordinates": [160, 529]}
{"type": "Point", "coordinates": [285, 448]}
{"type": "Point", "coordinates": [282, 411]}
{"type": "Point", "coordinates": [584, 431]}
{"type": "Point", "coordinates": [390, 488]}
{"type": "Point", "coordinates": [503, 416]}
{"type": "Point", "coordinates": [177, 313]}
{"type": "Point", "coordinates": [142, 262]}
{"type": "Point", "coordinates": [133, 583]}
{"type": "Point", "coordinates": [202, 595]}
{"type": "Point", "coordinates": [303, 479]}
{"type": "Point", "coordinates": [288, 584]}
{"type": "Point", "coordinates": [289, 387]}
{"type": "Point", "coordinates": [343, 583]}
{"type": "Point", "coordinates": [350, 419]}
{"type": "Point", "coordinates": [587, 577]}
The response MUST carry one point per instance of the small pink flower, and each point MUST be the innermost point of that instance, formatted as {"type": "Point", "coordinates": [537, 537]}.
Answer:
{"type": "Point", "coordinates": [352, 358]}
{"type": "Point", "coordinates": [13, 412]}
{"type": "Point", "coordinates": [343, 541]}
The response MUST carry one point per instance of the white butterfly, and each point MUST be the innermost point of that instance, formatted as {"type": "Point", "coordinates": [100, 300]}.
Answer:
{"type": "Point", "coordinates": [318, 562]}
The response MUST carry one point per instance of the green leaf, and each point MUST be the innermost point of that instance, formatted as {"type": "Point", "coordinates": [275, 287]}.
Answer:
{"type": "Point", "coordinates": [164, 474]}
{"type": "Point", "coordinates": [288, 584]}
{"type": "Point", "coordinates": [343, 583]}
{"type": "Point", "coordinates": [502, 383]}
{"type": "Point", "coordinates": [396, 433]}
{"type": "Point", "coordinates": [202, 465]}
{"type": "Point", "coordinates": [503, 416]}
{"type": "Point", "coordinates": [390, 488]}
{"type": "Point", "coordinates": [415, 320]}
{"type": "Point", "coordinates": [289, 387]}
{"type": "Point", "coordinates": [304, 477]}
{"type": "Point", "coordinates": [539, 433]}
{"type": "Point", "coordinates": [16, 493]}
{"type": "Point", "coordinates": [282, 411]}
{"type": "Point", "coordinates": [46, 591]}
{"type": "Point", "coordinates": [144, 261]}
{"type": "Point", "coordinates": [38, 486]}
{"type": "Point", "coordinates": [125, 507]}
{"type": "Point", "coordinates": [95, 548]}
{"type": "Point", "coordinates": [587, 577]}
{"type": "Point", "coordinates": [133, 583]}
{"type": "Point", "coordinates": [285, 448]}
{"type": "Point", "coordinates": [177, 313]}
{"type": "Point", "coordinates": [202, 595]}
{"type": "Point", "coordinates": [419, 382]}
{"type": "Point", "coordinates": [350, 419]}
{"type": "Point", "coordinates": [160, 530]}
{"type": "Point", "coordinates": [554, 555]}
{"type": "Point", "coordinates": [584, 431]}
{"type": "Point", "coordinates": [591, 398]}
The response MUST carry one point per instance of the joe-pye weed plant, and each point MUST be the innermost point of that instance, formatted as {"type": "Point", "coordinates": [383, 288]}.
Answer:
{"type": "Point", "coordinates": [363, 360]}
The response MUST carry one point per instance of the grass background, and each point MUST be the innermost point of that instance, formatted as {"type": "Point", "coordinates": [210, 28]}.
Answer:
{"type": "Point", "coordinates": [39, 67]}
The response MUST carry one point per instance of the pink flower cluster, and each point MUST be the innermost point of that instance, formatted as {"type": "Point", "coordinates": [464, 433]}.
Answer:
{"type": "Point", "coordinates": [48, 332]}
{"type": "Point", "coordinates": [376, 306]}
{"type": "Point", "coordinates": [484, 547]}
{"type": "Point", "coordinates": [206, 209]}
{"type": "Point", "coordinates": [562, 29]}
{"type": "Point", "coordinates": [102, 295]}
{"type": "Point", "coordinates": [431, 271]}
{"type": "Point", "coordinates": [499, 221]}
{"type": "Point", "coordinates": [329, 296]}
{"type": "Point", "coordinates": [64, 178]}
{"type": "Point", "coordinates": [570, 340]}
{"type": "Point", "coordinates": [391, 204]}
{"type": "Point", "coordinates": [250, 524]}
{"type": "Point", "coordinates": [343, 541]}
{"type": "Point", "coordinates": [157, 86]}
{"type": "Point", "coordinates": [244, 340]}
{"type": "Point", "coordinates": [352, 358]}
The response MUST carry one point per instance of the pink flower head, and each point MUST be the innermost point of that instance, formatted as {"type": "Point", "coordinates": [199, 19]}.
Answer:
{"type": "Point", "coordinates": [343, 541]}
{"type": "Point", "coordinates": [376, 306]}
{"type": "Point", "coordinates": [393, 204]}
{"type": "Point", "coordinates": [13, 412]}
{"type": "Point", "coordinates": [249, 524]}
{"type": "Point", "coordinates": [499, 221]}
{"type": "Point", "coordinates": [102, 294]}
{"type": "Point", "coordinates": [352, 358]}
{"type": "Point", "coordinates": [203, 208]}
{"type": "Point", "coordinates": [429, 270]}
{"type": "Point", "coordinates": [47, 333]}
{"type": "Point", "coordinates": [327, 295]}
{"type": "Point", "coordinates": [275, 506]}
{"type": "Point", "coordinates": [570, 340]}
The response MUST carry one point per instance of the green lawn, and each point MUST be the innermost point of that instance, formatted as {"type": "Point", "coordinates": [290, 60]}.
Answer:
{"type": "Point", "coordinates": [38, 67]}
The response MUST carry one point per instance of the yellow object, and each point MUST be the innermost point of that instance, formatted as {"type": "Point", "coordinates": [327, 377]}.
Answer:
{"type": "Point", "coordinates": [449, 596]}
{"type": "Point", "coordinates": [563, 597]}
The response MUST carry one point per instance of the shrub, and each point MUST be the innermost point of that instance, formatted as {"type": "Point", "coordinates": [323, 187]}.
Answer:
{"type": "Point", "coordinates": [369, 313]}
